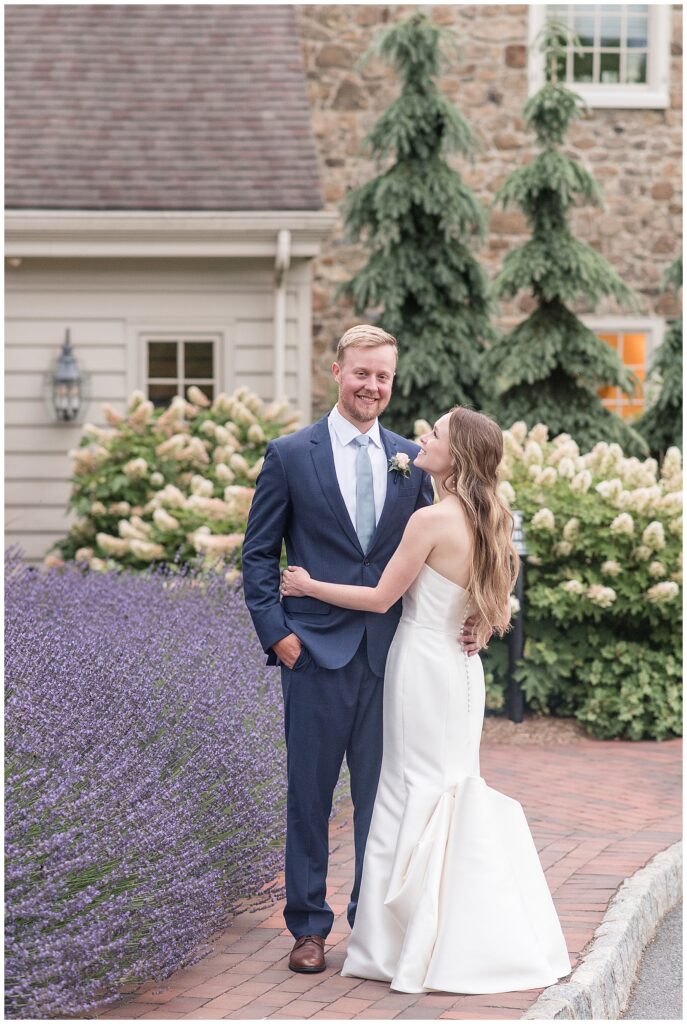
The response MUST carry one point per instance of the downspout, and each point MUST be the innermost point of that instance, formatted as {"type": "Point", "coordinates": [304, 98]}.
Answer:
{"type": "Point", "coordinates": [281, 265]}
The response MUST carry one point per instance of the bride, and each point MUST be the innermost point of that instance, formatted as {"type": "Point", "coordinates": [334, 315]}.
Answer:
{"type": "Point", "coordinates": [453, 897]}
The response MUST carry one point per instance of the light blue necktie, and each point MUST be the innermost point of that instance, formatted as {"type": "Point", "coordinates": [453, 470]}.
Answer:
{"type": "Point", "coordinates": [365, 520]}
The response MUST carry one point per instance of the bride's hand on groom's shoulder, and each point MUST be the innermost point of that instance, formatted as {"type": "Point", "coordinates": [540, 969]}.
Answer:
{"type": "Point", "coordinates": [294, 582]}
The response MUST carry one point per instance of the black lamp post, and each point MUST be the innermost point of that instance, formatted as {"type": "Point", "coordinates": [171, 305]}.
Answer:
{"type": "Point", "coordinates": [515, 700]}
{"type": "Point", "coordinates": [67, 384]}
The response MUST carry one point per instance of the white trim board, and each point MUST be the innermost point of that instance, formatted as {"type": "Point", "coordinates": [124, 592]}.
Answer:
{"type": "Point", "coordinates": [130, 233]}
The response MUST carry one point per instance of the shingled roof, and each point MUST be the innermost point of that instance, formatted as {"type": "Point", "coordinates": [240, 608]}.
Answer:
{"type": "Point", "coordinates": [157, 107]}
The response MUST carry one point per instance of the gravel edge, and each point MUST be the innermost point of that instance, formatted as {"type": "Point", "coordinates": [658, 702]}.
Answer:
{"type": "Point", "coordinates": [599, 988]}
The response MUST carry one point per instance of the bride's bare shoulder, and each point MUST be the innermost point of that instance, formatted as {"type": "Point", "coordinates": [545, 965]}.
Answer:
{"type": "Point", "coordinates": [440, 514]}
{"type": "Point", "coordinates": [446, 513]}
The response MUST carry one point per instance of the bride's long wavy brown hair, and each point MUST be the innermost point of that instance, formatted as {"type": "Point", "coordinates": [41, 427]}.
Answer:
{"type": "Point", "coordinates": [476, 445]}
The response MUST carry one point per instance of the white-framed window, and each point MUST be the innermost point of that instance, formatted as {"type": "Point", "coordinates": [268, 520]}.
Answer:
{"type": "Point", "coordinates": [635, 339]}
{"type": "Point", "coordinates": [625, 58]}
{"type": "Point", "coordinates": [175, 361]}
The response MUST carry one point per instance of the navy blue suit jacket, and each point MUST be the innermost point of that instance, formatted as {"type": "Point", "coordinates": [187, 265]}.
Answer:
{"type": "Point", "coordinates": [298, 500]}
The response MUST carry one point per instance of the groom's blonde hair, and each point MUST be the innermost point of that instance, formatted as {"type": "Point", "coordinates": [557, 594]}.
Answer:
{"type": "Point", "coordinates": [364, 336]}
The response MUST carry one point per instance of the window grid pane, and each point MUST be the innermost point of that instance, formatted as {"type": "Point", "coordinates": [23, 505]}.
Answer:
{"type": "Point", "coordinates": [631, 347]}
{"type": "Point", "coordinates": [198, 359]}
{"type": "Point", "coordinates": [162, 394]}
{"type": "Point", "coordinates": [168, 357]}
{"type": "Point", "coordinates": [163, 359]}
{"type": "Point", "coordinates": [611, 37]}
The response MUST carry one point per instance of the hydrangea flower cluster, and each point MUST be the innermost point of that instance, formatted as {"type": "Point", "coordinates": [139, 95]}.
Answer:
{"type": "Point", "coordinates": [159, 485]}
{"type": "Point", "coordinates": [615, 513]}
{"type": "Point", "coordinates": [145, 778]}
{"type": "Point", "coordinates": [603, 583]}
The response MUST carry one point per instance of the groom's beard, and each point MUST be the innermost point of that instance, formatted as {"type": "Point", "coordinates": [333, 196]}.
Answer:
{"type": "Point", "coordinates": [363, 412]}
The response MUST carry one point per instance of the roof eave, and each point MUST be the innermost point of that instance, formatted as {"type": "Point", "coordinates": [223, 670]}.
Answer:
{"type": "Point", "coordinates": [163, 233]}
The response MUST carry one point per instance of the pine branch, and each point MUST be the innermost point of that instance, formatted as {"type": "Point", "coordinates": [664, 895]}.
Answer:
{"type": "Point", "coordinates": [552, 337]}
{"type": "Point", "coordinates": [661, 424]}
{"type": "Point", "coordinates": [551, 111]}
{"type": "Point", "coordinates": [561, 267]}
{"type": "Point", "coordinates": [399, 204]}
{"type": "Point", "coordinates": [550, 180]}
{"type": "Point", "coordinates": [422, 125]}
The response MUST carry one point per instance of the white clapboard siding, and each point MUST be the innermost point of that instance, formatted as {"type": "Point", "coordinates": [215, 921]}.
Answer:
{"type": "Point", "coordinates": [35, 413]}
{"type": "Point", "coordinates": [39, 518]}
{"type": "Point", "coordinates": [49, 331]}
{"type": "Point", "coordinates": [105, 387]}
{"type": "Point", "coordinates": [56, 439]}
{"type": "Point", "coordinates": [254, 357]}
{"type": "Point", "coordinates": [35, 466]}
{"type": "Point", "coordinates": [111, 307]}
{"type": "Point", "coordinates": [261, 360]}
{"type": "Point", "coordinates": [22, 493]}
{"type": "Point", "coordinates": [25, 358]}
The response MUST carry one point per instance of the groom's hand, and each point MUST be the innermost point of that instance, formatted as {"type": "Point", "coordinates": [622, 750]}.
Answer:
{"type": "Point", "coordinates": [288, 650]}
{"type": "Point", "coordinates": [467, 637]}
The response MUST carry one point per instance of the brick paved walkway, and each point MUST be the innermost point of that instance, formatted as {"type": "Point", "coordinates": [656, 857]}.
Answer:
{"type": "Point", "coordinates": [598, 812]}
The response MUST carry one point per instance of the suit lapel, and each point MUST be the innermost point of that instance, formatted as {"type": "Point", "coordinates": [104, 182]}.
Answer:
{"type": "Point", "coordinates": [323, 459]}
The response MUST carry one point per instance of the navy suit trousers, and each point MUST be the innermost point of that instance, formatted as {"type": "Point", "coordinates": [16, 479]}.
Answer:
{"type": "Point", "coordinates": [328, 714]}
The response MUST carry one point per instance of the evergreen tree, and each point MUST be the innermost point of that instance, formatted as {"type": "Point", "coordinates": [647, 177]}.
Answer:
{"type": "Point", "coordinates": [661, 424]}
{"type": "Point", "coordinates": [550, 368]}
{"type": "Point", "coordinates": [417, 218]}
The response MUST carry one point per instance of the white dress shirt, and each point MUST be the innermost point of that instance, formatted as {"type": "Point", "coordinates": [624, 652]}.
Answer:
{"type": "Point", "coordinates": [342, 434]}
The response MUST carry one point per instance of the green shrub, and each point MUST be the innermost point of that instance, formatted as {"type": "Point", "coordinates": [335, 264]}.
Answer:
{"type": "Point", "coordinates": [173, 484]}
{"type": "Point", "coordinates": [603, 586]}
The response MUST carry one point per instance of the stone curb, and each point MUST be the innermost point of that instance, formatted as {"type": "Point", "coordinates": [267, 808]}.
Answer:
{"type": "Point", "coordinates": [600, 986]}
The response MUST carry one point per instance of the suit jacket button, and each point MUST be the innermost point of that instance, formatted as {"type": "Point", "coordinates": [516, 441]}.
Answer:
{"type": "Point", "coordinates": [366, 561]}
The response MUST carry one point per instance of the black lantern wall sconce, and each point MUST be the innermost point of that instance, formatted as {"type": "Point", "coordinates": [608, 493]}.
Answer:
{"type": "Point", "coordinates": [67, 386]}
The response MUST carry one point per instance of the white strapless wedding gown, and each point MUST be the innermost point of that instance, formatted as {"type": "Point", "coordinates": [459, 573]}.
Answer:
{"type": "Point", "coordinates": [453, 896]}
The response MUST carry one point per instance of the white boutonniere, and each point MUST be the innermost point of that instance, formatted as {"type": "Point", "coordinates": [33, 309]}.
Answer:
{"type": "Point", "coordinates": [400, 463]}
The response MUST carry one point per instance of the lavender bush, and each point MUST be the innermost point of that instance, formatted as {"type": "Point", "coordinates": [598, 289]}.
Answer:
{"type": "Point", "coordinates": [145, 777]}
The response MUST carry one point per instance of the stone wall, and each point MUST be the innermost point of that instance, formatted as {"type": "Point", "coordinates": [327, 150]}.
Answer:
{"type": "Point", "coordinates": [635, 155]}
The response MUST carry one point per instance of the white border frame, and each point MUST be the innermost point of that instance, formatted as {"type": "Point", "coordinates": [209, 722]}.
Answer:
{"type": "Point", "coordinates": [655, 95]}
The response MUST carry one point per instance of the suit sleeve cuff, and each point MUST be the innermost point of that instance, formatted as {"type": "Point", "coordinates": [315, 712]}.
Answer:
{"type": "Point", "coordinates": [285, 632]}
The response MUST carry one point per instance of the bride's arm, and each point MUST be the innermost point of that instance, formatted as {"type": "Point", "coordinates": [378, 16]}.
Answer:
{"type": "Point", "coordinates": [401, 570]}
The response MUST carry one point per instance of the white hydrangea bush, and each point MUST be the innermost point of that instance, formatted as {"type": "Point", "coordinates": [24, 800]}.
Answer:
{"type": "Point", "coordinates": [609, 523]}
{"type": "Point", "coordinates": [604, 581]}
{"type": "Point", "coordinates": [172, 485]}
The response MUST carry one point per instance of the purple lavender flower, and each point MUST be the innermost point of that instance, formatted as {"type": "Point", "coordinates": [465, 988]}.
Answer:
{"type": "Point", "coordinates": [145, 775]}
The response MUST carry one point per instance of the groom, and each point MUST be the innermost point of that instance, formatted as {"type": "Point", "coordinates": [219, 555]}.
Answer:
{"type": "Point", "coordinates": [332, 493]}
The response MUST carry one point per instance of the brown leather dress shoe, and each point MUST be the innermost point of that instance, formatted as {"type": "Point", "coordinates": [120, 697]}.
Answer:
{"type": "Point", "coordinates": [307, 955]}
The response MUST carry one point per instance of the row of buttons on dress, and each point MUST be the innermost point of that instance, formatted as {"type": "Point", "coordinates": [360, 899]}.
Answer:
{"type": "Point", "coordinates": [465, 655]}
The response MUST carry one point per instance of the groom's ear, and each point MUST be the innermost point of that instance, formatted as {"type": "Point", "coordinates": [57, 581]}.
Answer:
{"type": "Point", "coordinates": [336, 371]}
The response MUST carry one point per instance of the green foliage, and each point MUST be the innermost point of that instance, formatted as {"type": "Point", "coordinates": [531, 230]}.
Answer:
{"type": "Point", "coordinates": [661, 425]}
{"type": "Point", "coordinates": [550, 367]}
{"type": "Point", "coordinates": [614, 686]}
{"type": "Point", "coordinates": [550, 112]}
{"type": "Point", "coordinates": [169, 485]}
{"type": "Point", "coordinates": [603, 584]}
{"type": "Point", "coordinates": [559, 268]}
{"type": "Point", "coordinates": [418, 220]}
